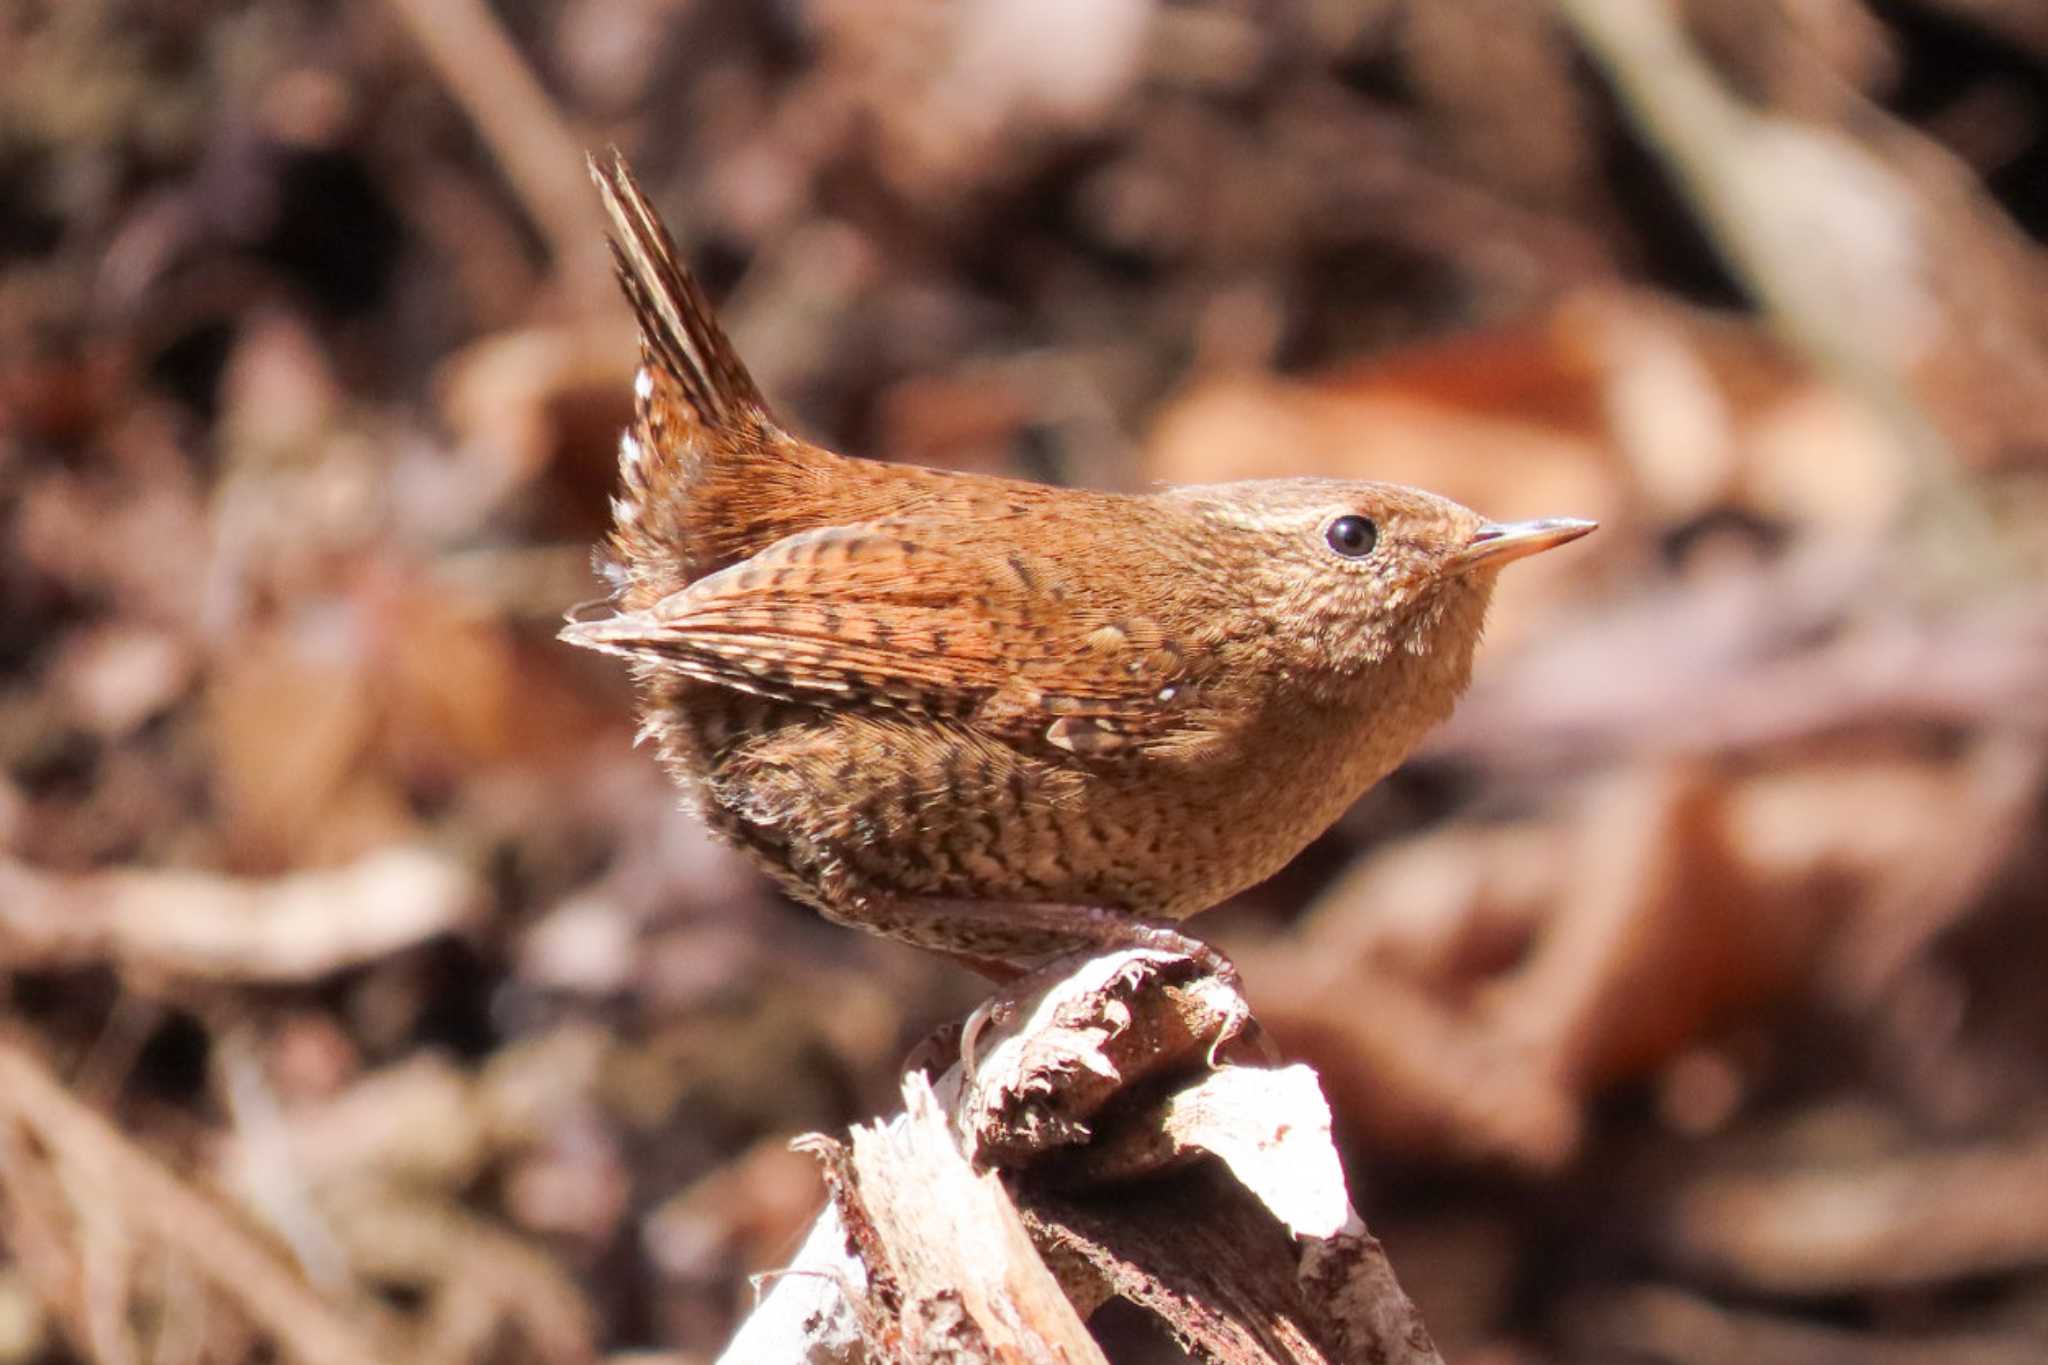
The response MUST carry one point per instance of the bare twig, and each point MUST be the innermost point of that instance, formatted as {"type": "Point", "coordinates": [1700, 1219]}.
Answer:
{"type": "Point", "coordinates": [1919, 1218]}
{"type": "Point", "coordinates": [542, 158]}
{"type": "Point", "coordinates": [154, 1206]}
{"type": "Point", "coordinates": [202, 924]}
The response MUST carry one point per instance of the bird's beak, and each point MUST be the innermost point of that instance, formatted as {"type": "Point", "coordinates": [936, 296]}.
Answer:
{"type": "Point", "coordinates": [1498, 542]}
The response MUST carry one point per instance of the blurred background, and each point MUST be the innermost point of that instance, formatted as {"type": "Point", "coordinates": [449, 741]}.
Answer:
{"type": "Point", "coordinates": [365, 996]}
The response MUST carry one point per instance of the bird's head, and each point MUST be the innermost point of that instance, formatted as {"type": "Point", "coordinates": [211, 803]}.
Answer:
{"type": "Point", "coordinates": [1354, 576]}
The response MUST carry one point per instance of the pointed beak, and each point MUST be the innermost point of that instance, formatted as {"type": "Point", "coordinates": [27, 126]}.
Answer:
{"type": "Point", "coordinates": [1498, 542]}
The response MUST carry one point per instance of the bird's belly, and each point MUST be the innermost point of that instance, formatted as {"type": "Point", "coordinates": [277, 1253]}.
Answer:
{"type": "Point", "coordinates": [852, 810]}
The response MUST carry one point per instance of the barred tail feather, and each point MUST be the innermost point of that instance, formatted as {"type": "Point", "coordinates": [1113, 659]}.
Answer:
{"type": "Point", "coordinates": [700, 425]}
{"type": "Point", "coordinates": [676, 320]}
{"type": "Point", "coordinates": [707, 476]}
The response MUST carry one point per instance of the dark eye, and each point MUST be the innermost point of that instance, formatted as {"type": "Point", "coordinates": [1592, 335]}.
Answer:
{"type": "Point", "coordinates": [1353, 537]}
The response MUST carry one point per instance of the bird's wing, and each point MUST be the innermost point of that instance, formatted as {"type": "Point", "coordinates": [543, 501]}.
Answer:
{"type": "Point", "coordinates": [918, 617]}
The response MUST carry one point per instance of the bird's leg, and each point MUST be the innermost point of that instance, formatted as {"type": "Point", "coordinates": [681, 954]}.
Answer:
{"type": "Point", "coordinates": [974, 933]}
{"type": "Point", "coordinates": [978, 934]}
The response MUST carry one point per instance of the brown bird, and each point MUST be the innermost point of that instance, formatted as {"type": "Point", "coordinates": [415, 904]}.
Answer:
{"type": "Point", "coordinates": [997, 718]}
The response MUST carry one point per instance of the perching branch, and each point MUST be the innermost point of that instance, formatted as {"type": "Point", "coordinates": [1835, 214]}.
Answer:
{"type": "Point", "coordinates": [1096, 1103]}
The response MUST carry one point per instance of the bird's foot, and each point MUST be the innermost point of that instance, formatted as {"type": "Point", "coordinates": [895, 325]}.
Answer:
{"type": "Point", "coordinates": [1028, 946]}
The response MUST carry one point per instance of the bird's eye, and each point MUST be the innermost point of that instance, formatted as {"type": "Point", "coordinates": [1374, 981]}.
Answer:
{"type": "Point", "coordinates": [1353, 537]}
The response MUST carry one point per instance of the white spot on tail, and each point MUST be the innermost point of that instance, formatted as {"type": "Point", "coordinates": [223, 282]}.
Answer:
{"type": "Point", "coordinates": [643, 384]}
{"type": "Point", "coordinates": [629, 450]}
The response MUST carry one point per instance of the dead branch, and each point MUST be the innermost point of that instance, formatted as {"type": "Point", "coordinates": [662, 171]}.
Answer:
{"type": "Point", "coordinates": [1098, 1104]}
{"type": "Point", "coordinates": [199, 924]}
{"type": "Point", "coordinates": [1922, 1217]}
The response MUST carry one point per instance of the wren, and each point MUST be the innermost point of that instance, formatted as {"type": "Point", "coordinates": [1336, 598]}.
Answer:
{"type": "Point", "coordinates": [996, 718]}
